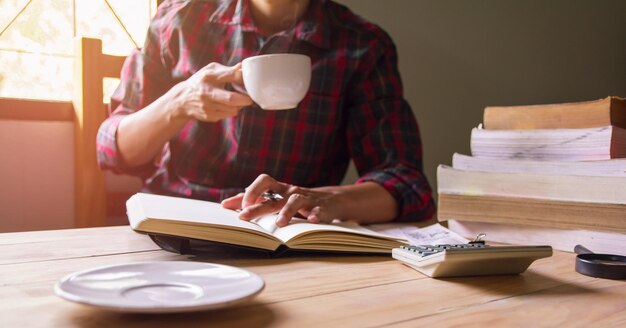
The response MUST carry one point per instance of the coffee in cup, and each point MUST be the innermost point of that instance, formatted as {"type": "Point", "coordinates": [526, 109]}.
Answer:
{"type": "Point", "coordinates": [277, 81]}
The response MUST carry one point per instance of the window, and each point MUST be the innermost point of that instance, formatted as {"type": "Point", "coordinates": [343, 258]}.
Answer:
{"type": "Point", "coordinates": [36, 41]}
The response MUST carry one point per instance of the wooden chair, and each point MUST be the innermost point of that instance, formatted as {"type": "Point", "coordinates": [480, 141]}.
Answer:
{"type": "Point", "coordinates": [94, 206]}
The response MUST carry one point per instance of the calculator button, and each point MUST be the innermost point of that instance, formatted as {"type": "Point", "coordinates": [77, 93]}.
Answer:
{"type": "Point", "coordinates": [426, 253]}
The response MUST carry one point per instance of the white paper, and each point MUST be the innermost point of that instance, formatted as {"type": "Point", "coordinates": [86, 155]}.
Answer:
{"type": "Point", "coordinates": [435, 234]}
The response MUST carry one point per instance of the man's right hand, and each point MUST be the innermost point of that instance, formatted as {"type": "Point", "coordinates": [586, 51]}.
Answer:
{"type": "Point", "coordinates": [141, 135]}
{"type": "Point", "coordinates": [203, 95]}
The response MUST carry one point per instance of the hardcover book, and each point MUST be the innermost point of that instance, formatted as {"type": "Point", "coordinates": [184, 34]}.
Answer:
{"type": "Point", "coordinates": [166, 216]}
{"type": "Point", "coordinates": [573, 115]}
{"type": "Point", "coordinates": [533, 212]}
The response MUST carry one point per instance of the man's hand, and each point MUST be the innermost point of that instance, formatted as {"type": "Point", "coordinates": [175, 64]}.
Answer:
{"type": "Point", "coordinates": [314, 205]}
{"type": "Point", "coordinates": [203, 97]}
{"type": "Point", "coordinates": [142, 134]}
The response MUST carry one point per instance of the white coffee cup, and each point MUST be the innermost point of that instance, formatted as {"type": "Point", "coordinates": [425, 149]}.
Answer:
{"type": "Point", "coordinates": [277, 81]}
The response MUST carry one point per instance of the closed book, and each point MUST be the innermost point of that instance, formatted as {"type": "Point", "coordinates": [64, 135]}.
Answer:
{"type": "Point", "coordinates": [165, 217]}
{"type": "Point", "coordinates": [553, 200]}
{"type": "Point", "coordinates": [573, 188]}
{"type": "Point", "coordinates": [589, 144]}
{"type": "Point", "coordinates": [573, 115]}
{"type": "Point", "coordinates": [607, 168]}
{"type": "Point", "coordinates": [532, 212]}
{"type": "Point", "coordinates": [561, 239]}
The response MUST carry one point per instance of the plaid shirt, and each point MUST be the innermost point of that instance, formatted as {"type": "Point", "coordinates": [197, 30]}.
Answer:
{"type": "Point", "coordinates": [354, 107]}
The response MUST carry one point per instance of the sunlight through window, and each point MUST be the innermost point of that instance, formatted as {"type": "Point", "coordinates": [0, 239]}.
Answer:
{"type": "Point", "coordinates": [36, 41]}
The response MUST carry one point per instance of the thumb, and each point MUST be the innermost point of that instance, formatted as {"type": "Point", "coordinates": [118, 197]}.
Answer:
{"type": "Point", "coordinates": [233, 203]}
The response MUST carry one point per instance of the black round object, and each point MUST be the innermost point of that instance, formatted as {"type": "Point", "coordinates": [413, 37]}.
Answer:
{"type": "Point", "coordinates": [606, 266]}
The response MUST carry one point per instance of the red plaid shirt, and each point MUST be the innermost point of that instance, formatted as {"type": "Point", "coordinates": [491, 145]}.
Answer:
{"type": "Point", "coordinates": [354, 107]}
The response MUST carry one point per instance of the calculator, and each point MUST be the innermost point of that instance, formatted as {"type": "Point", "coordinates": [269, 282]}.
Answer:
{"type": "Point", "coordinates": [472, 259]}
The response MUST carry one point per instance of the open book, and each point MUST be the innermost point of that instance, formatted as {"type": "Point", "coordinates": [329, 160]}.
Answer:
{"type": "Point", "coordinates": [203, 220]}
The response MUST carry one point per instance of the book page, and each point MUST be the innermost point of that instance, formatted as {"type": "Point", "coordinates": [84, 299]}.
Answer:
{"type": "Point", "coordinates": [299, 227]}
{"type": "Point", "coordinates": [607, 168]}
{"type": "Point", "coordinates": [435, 234]}
{"type": "Point", "coordinates": [187, 211]}
{"type": "Point", "coordinates": [268, 223]}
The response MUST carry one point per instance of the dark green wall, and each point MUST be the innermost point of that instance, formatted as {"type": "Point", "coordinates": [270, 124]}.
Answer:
{"type": "Point", "coordinates": [456, 57]}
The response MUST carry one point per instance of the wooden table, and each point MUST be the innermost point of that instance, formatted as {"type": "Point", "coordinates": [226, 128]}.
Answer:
{"type": "Point", "coordinates": [320, 291]}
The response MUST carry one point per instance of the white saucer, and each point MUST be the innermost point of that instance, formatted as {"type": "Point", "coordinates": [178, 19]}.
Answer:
{"type": "Point", "coordinates": [160, 287]}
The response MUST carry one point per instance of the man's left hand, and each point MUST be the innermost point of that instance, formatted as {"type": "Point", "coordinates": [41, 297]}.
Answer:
{"type": "Point", "coordinates": [315, 205]}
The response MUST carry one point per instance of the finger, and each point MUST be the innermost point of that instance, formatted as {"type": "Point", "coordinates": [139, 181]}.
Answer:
{"type": "Point", "coordinates": [260, 209]}
{"type": "Point", "coordinates": [210, 105]}
{"type": "Point", "coordinates": [314, 215]}
{"type": "Point", "coordinates": [260, 185]}
{"type": "Point", "coordinates": [228, 97]}
{"type": "Point", "coordinates": [233, 203]}
{"type": "Point", "coordinates": [219, 115]}
{"type": "Point", "coordinates": [211, 72]}
{"type": "Point", "coordinates": [231, 74]}
{"type": "Point", "coordinates": [206, 113]}
{"type": "Point", "coordinates": [318, 215]}
{"type": "Point", "coordinates": [293, 205]}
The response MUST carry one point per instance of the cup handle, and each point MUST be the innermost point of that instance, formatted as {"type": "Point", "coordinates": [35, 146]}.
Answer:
{"type": "Point", "coordinates": [239, 88]}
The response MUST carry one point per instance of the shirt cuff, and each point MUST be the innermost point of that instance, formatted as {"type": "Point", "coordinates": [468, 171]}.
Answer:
{"type": "Point", "coordinates": [410, 189]}
{"type": "Point", "coordinates": [109, 157]}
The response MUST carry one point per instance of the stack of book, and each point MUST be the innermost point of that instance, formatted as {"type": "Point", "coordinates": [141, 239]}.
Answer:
{"type": "Point", "coordinates": [543, 174]}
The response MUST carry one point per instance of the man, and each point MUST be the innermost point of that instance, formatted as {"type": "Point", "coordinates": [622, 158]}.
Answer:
{"type": "Point", "coordinates": [178, 124]}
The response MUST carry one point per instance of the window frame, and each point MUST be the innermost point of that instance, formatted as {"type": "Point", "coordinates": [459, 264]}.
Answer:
{"type": "Point", "coordinates": [21, 109]}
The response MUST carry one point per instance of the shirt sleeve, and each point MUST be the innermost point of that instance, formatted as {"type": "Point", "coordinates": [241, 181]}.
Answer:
{"type": "Point", "coordinates": [383, 134]}
{"type": "Point", "coordinates": [144, 77]}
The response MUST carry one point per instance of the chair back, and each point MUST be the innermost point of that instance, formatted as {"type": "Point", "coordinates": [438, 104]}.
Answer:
{"type": "Point", "coordinates": [94, 206]}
